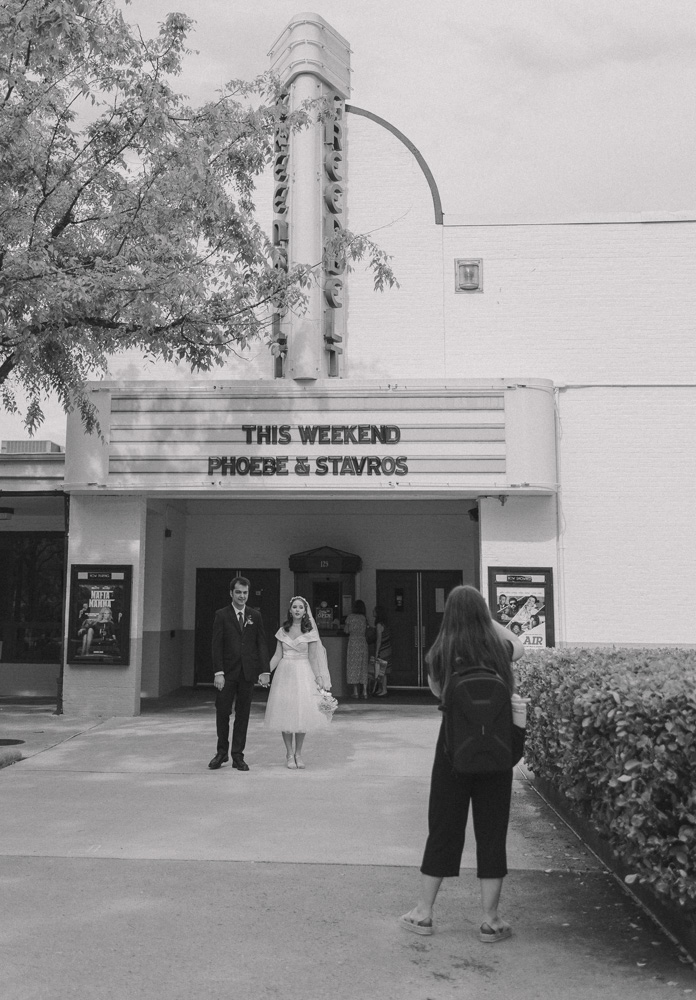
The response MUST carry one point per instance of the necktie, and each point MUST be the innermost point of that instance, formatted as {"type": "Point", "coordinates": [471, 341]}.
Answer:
{"type": "Point", "coordinates": [240, 618]}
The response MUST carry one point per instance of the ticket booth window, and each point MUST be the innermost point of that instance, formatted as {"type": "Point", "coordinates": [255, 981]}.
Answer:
{"type": "Point", "coordinates": [327, 578]}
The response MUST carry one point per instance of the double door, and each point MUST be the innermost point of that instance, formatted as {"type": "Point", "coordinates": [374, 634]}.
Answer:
{"type": "Point", "coordinates": [213, 592]}
{"type": "Point", "coordinates": [414, 601]}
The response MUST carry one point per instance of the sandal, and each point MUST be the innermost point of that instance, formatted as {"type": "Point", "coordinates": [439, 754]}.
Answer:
{"type": "Point", "coordinates": [299, 763]}
{"type": "Point", "coordinates": [416, 926]}
{"type": "Point", "coordinates": [290, 761]}
{"type": "Point", "coordinates": [490, 935]}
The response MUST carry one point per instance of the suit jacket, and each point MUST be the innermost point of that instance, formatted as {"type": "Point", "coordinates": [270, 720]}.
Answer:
{"type": "Point", "coordinates": [239, 651]}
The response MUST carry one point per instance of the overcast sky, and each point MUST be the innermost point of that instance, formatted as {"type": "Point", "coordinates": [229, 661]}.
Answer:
{"type": "Point", "coordinates": [521, 108]}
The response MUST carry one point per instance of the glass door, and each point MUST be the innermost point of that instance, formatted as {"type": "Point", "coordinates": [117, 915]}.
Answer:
{"type": "Point", "coordinates": [414, 601]}
{"type": "Point", "coordinates": [397, 593]}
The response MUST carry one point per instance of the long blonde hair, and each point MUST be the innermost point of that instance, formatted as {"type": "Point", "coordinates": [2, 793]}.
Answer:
{"type": "Point", "coordinates": [467, 638]}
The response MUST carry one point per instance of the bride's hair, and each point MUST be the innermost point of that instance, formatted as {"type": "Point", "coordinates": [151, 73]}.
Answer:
{"type": "Point", "coordinates": [305, 622]}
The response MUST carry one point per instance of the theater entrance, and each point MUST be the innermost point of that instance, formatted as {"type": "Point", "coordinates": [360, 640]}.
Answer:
{"type": "Point", "coordinates": [414, 601]}
{"type": "Point", "coordinates": [213, 592]}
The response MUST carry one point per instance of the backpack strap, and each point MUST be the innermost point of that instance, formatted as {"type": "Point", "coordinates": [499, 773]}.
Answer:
{"type": "Point", "coordinates": [479, 668]}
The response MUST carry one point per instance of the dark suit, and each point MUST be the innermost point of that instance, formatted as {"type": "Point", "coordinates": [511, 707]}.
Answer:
{"type": "Point", "coordinates": [241, 654]}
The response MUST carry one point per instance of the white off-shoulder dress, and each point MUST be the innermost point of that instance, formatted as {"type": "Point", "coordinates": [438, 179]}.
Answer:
{"type": "Point", "coordinates": [293, 699]}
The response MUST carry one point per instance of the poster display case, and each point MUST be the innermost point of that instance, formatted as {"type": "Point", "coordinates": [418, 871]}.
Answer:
{"type": "Point", "coordinates": [99, 615]}
{"type": "Point", "coordinates": [521, 599]}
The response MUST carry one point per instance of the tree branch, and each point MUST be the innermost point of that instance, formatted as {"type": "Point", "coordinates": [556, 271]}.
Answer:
{"type": "Point", "coordinates": [6, 367]}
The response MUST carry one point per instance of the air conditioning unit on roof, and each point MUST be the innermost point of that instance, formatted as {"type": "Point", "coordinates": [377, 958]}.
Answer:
{"type": "Point", "coordinates": [30, 448]}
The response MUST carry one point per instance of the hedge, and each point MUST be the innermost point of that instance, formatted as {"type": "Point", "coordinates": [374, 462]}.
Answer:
{"type": "Point", "coordinates": [614, 731]}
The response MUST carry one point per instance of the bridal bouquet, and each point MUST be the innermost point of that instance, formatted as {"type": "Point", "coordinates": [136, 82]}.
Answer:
{"type": "Point", "coordinates": [327, 702]}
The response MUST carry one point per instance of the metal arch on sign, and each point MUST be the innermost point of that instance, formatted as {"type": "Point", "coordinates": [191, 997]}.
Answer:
{"type": "Point", "coordinates": [437, 204]}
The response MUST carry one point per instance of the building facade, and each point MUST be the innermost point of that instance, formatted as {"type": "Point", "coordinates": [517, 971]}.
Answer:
{"type": "Point", "coordinates": [519, 414]}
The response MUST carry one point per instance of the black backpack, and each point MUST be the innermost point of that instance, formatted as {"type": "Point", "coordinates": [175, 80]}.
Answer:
{"type": "Point", "coordinates": [478, 721]}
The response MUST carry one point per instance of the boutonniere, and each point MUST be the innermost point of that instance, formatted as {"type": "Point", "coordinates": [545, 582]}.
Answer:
{"type": "Point", "coordinates": [248, 621]}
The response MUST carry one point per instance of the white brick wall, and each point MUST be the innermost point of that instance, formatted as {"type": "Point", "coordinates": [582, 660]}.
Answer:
{"type": "Point", "coordinates": [565, 302]}
{"type": "Point", "coordinates": [399, 332]}
{"type": "Point", "coordinates": [628, 474]}
{"type": "Point", "coordinates": [598, 303]}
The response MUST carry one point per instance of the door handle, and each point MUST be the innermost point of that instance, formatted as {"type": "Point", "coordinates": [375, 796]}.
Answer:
{"type": "Point", "coordinates": [422, 636]}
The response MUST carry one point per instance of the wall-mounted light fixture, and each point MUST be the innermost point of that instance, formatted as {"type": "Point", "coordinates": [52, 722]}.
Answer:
{"type": "Point", "coordinates": [468, 275]}
{"type": "Point", "coordinates": [6, 513]}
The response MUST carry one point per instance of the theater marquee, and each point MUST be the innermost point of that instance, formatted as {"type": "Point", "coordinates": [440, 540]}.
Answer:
{"type": "Point", "coordinates": [303, 435]}
{"type": "Point", "coordinates": [478, 437]}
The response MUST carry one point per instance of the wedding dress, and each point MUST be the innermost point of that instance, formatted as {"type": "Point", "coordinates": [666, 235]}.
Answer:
{"type": "Point", "coordinates": [293, 699]}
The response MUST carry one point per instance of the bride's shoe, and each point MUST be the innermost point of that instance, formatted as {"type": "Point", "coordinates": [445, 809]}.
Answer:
{"type": "Point", "coordinates": [299, 763]}
{"type": "Point", "coordinates": [290, 761]}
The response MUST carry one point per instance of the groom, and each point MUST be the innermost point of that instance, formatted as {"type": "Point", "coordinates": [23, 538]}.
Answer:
{"type": "Point", "coordinates": [240, 654]}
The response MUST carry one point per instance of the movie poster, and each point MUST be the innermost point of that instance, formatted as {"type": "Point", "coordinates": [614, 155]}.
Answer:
{"type": "Point", "coordinates": [521, 600]}
{"type": "Point", "coordinates": [99, 624]}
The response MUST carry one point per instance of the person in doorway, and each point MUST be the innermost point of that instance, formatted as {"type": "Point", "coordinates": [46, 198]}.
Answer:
{"type": "Point", "coordinates": [357, 655]}
{"type": "Point", "coordinates": [240, 656]}
{"type": "Point", "coordinates": [383, 651]}
{"type": "Point", "coordinates": [301, 673]}
{"type": "Point", "coordinates": [468, 637]}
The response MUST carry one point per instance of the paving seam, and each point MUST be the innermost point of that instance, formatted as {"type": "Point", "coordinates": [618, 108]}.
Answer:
{"type": "Point", "coordinates": [59, 743]}
{"type": "Point", "coordinates": [297, 864]}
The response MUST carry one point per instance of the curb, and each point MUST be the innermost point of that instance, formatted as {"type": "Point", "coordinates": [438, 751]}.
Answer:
{"type": "Point", "coordinates": [10, 755]}
{"type": "Point", "coordinates": [681, 927]}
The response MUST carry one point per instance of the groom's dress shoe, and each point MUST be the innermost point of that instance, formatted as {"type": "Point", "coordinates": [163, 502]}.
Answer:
{"type": "Point", "coordinates": [218, 760]}
{"type": "Point", "coordinates": [240, 764]}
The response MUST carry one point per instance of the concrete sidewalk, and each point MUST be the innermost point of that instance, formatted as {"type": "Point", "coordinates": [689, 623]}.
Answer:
{"type": "Point", "coordinates": [128, 869]}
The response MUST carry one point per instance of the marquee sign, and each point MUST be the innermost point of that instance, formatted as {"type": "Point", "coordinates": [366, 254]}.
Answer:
{"type": "Point", "coordinates": [243, 440]}
{"type": "Point", "coordinates": [321, 465]}
{"type": "Point", "coordinates": [265, 438]}
{"type": "Point", "coordinates": [333, 207]}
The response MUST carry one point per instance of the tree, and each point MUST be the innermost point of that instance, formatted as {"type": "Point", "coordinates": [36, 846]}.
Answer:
{"type": "Point", "coordinates": [126, 216]}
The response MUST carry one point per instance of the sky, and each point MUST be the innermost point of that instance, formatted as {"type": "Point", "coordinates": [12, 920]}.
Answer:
{"type": "Point", "coordinates": [520, 107]}
{"type": "Point", "coordinates": [523, 109]}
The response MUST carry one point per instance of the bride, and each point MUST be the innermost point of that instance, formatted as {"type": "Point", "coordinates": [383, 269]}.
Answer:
{"type": "Point", "coordinates": [302, 672]}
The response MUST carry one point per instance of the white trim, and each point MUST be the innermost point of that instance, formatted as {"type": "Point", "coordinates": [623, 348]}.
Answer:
{"type": "Point", "coordinates": [615, 219]}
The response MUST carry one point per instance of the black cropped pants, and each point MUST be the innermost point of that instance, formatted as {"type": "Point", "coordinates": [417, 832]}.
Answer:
{"type": "Point", "coordinates": [450, 794]}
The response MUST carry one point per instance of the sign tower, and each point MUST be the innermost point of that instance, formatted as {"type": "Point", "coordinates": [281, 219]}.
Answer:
{"type": "Point", "coordinates": [313, 62]}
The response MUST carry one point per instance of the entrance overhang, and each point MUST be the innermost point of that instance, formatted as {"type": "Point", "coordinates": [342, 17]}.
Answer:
{"type": "Point", "coordinates": [460, 439]}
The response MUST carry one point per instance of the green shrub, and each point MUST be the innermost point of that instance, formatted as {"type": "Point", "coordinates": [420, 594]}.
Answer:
{"type": "Point", "coordinates": [614, 730]}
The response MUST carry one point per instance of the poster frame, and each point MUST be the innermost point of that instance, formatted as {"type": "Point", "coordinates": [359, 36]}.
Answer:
{"type": "Point", "coordinates": [119, 576]}
{"type": "Point", "coordinates": [519, 576]}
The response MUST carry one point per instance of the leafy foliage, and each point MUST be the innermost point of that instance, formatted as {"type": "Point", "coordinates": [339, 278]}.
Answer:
{"type": "Point", "coordinates": [127, 217]}
{"type": "Point", "coordinates": [615, 731]}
